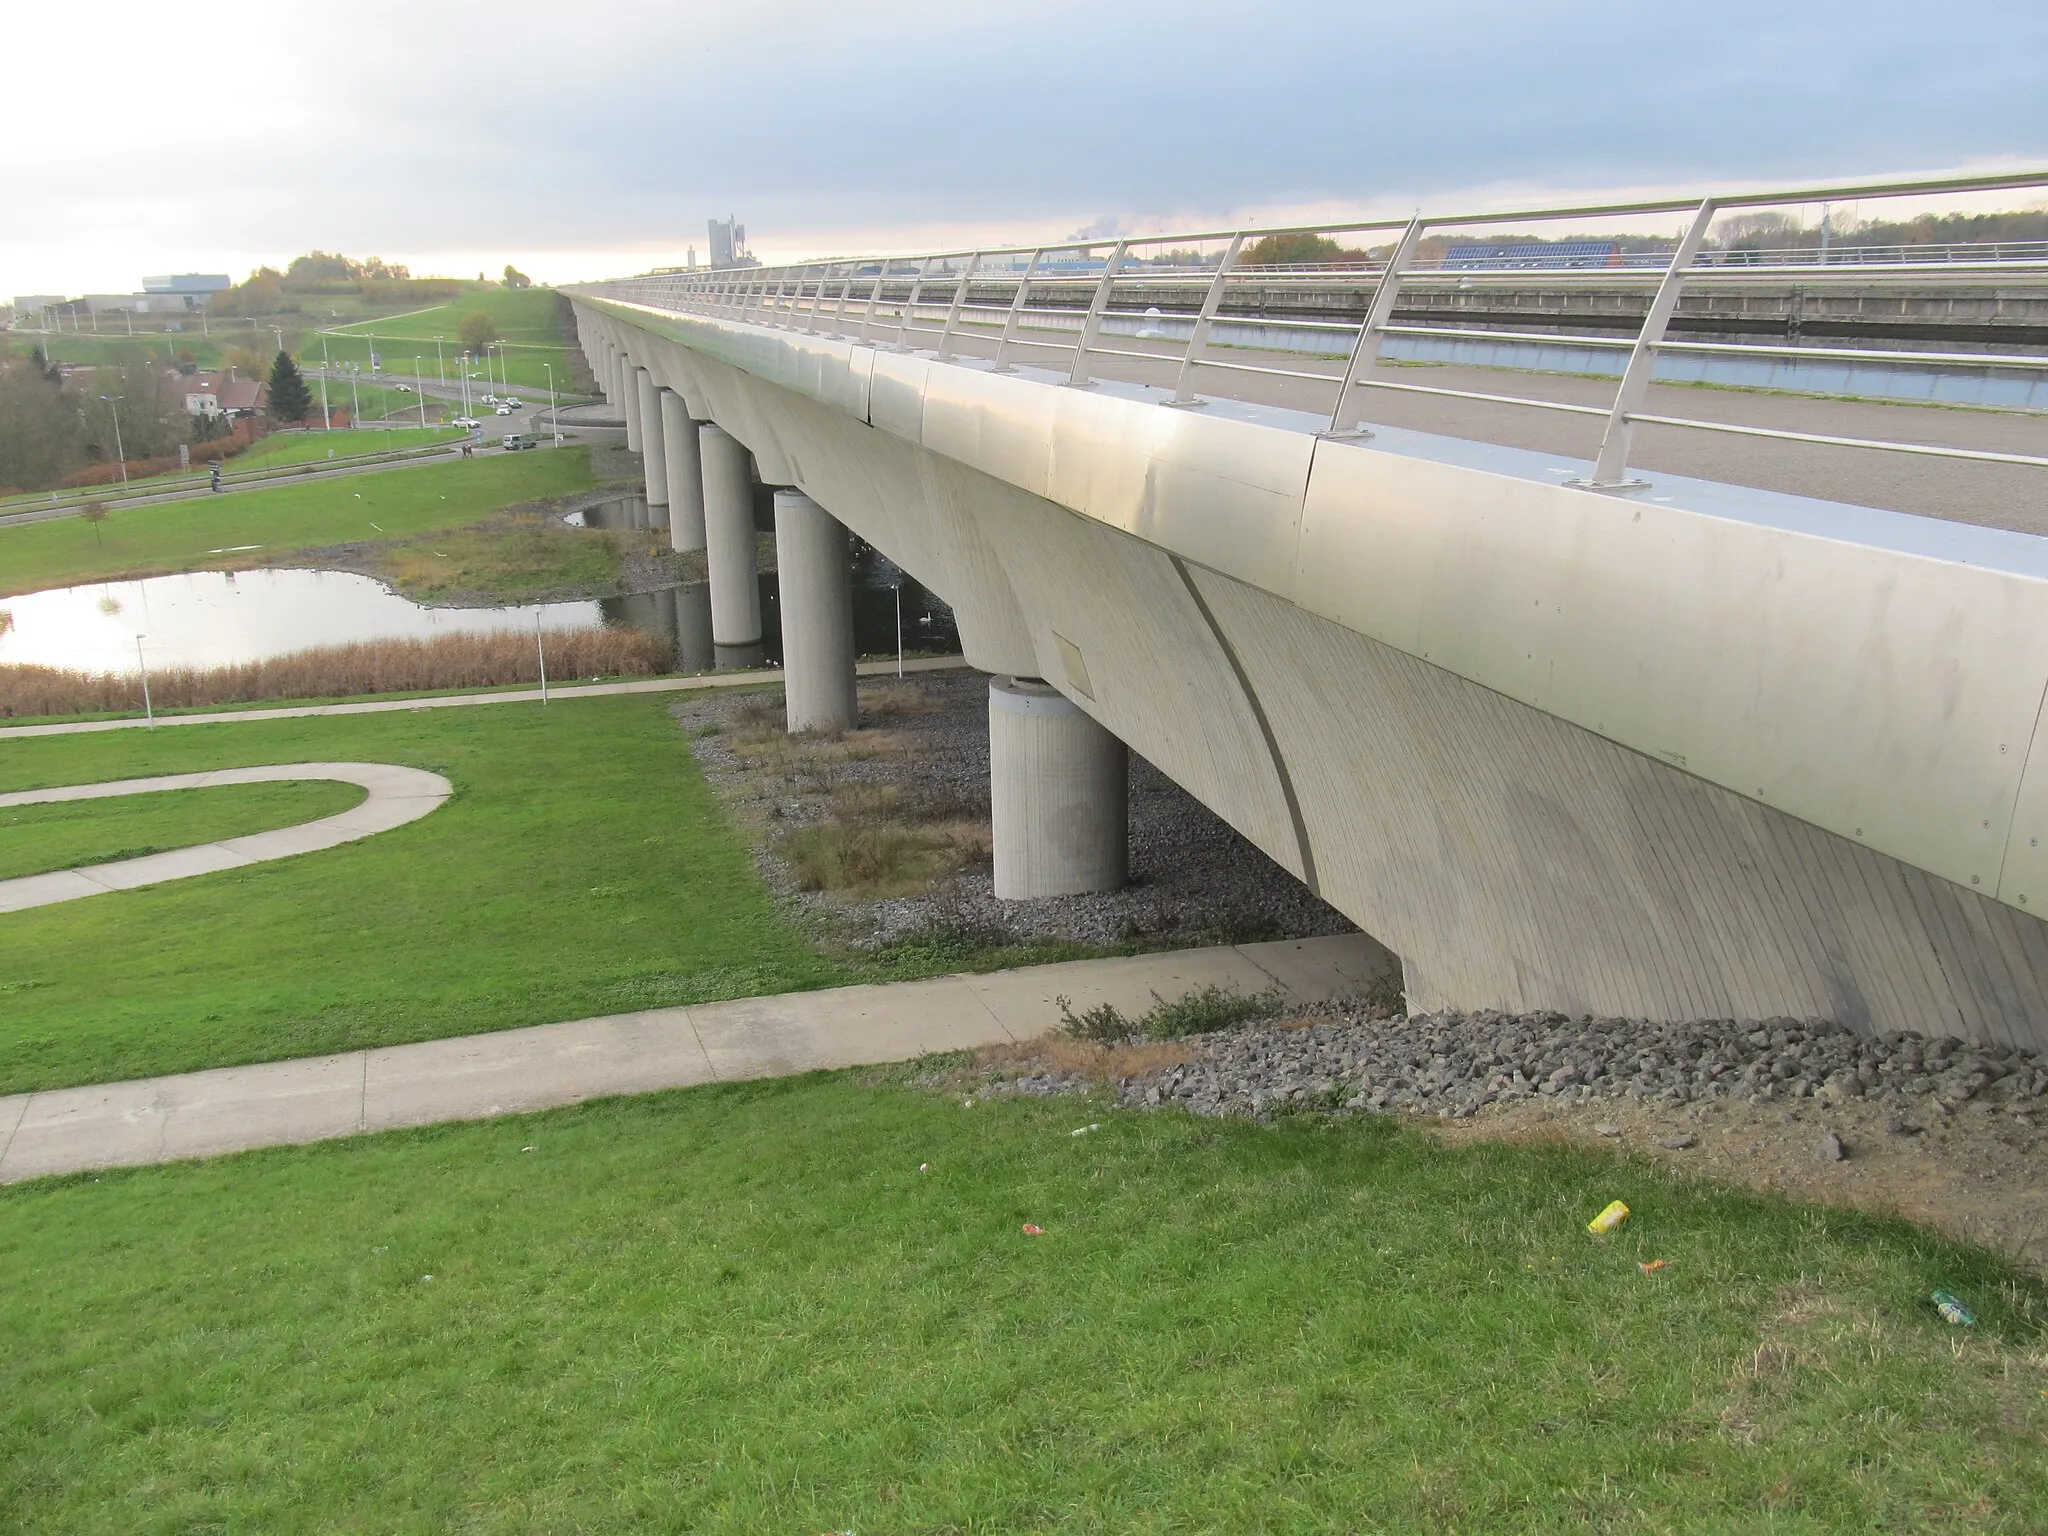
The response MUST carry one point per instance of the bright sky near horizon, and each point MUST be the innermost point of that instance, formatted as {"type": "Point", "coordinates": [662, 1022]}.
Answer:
{"type": "Point", "coordinates": [592, 139]}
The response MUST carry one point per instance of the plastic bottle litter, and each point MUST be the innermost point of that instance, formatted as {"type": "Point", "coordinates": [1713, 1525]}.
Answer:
{"type": "Point", "coordinates": [924, 1167]}
{"type": "Point", "coordinates": [1031, 1231]}
{"type": "Point", "coordinates": [1615, 1214]}
{"type": "Point", "coordinates": [1954, 1309]}
{"type": "Point", "coordinates": [1084, 1130]}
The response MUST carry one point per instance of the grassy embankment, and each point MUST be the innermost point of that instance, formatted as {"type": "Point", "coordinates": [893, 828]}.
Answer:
{"type": "Point", "coordinates": [528, 323]}
{"type": "Point", "coordinates": [583, 867]}
{"type": "Point", "coordinates": [279, 451]}
{"type": "Point", "coordinates": [746, 1309]}
{"type": "Point", "coordinates": [62, 835]}
{"type": "Point", "coordinates": [184, 536]}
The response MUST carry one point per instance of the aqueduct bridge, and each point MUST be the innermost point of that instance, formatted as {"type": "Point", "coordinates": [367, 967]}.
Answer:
{"type": "Point", "coordinates": [1562, 708]}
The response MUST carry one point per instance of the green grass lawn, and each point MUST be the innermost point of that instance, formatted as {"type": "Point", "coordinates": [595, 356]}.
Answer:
{"type": "Point", "coordinates": [528, 323]}
{"type": "Point", "coordinates": [281, 450]}
{"type": "Point", "coordinates": [64, 834]}
{"type": "Point", "coordinates": [744, 1309]}
{"type": "Point", "coordinates": [178, 536]}
{"type": "Point", "coordinates": [306, 447]}
{"type": "Point", "coordinates": [582, 867]}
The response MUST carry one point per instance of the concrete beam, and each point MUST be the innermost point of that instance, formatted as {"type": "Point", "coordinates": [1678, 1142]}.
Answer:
{"type": "Point", "coordinates": [653, 443]}
{"type": "Point", "coordinates": [629, 402]}
{"type": "Point", "coordinates": [1058, 793]}
{"type": "Point", "coordinates": [729, 548]}
{"type": "Point", "coordinates": [685, 474]}
{"type": "Point", "coordinates": [814, 566]}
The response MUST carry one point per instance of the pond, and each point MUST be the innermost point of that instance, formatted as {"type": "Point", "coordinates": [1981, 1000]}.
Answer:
{"type": "Point", "coordinates": [217, 618]}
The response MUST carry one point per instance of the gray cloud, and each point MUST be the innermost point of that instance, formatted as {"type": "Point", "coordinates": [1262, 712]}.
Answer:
{"type": "Point", "coordinates": [611, 124]}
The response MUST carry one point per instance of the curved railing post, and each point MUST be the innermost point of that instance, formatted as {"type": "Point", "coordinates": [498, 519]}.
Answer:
{"type": "Point", "coordinates": [1345, 415]}
{"type": "Point", "coordinates": [1610, 470]}
{"type": "Point", "coordinates": [1184, 386]}
{"type": "Point", "coordinates": [1003, 363]}
{"type": "Point", "coordinates": [953, 309]}
{"type": "Point", "coordinates": [908, 313]}
{"type": "Point", "coordinates": [1092, 326]}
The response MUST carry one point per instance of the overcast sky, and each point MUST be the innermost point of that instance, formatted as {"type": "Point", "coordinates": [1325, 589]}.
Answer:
{"type": "Point", "coordinates": [596, 137]}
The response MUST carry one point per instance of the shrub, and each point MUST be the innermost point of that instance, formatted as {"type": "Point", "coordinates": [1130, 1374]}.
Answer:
{"type": "Point", "coordinates": [336, 671]}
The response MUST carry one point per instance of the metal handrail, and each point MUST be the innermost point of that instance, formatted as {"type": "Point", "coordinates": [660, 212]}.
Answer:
{"type": "Point", "coordinates": [1041, 282]}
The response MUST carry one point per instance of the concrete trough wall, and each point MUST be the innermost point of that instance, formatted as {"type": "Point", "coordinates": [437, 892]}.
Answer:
{"type": "Point", "coordinates": [1720, 753]}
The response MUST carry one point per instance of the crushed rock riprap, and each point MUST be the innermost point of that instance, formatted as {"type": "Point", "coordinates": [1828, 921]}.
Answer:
{"type": "Point", "coordinates": [1453, 1065]}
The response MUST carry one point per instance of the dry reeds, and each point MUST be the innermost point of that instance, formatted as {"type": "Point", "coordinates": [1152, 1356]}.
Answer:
{"type": "Point", "coordinates": [453, 661]}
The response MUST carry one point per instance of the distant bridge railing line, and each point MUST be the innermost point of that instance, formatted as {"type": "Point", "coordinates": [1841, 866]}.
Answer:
{"type": "Point", "coordinates": [1060, 299]}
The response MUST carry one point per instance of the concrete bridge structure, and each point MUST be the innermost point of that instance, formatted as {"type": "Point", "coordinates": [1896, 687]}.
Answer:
{"type": "Point", "coordinates": [1559, 706]}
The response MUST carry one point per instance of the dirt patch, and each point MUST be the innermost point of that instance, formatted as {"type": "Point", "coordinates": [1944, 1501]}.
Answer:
{"type": "Point", "coordinates": [915, 776]}
{"type": "Point", "coordinates": [1977, 1173]}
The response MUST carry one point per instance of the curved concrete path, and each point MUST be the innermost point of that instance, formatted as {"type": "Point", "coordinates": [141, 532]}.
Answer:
{"type": "Point", "coordinates": [396, 795]}
{"type": "Point", "coordinates": [517, 1071]}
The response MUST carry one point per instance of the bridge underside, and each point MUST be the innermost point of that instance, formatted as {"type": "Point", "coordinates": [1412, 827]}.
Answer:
{"type": "Point", "coordinates": [1512, 858]}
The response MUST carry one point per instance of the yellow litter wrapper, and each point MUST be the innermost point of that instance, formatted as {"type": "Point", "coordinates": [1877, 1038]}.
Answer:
{"type": "Point", "coordinates": [1615, 1214]}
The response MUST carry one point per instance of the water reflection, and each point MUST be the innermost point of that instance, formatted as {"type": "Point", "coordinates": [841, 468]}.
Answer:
{"type": "Point", "coordinates": [215, 618]}
{"type": "Point", "coordinates": [618, 512]}
{"type": "Point", "coordinates": [219, 618]}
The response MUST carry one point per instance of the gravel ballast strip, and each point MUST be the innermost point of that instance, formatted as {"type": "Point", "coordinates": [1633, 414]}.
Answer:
{"type": "Point", "coordinates": [1452, 1065]}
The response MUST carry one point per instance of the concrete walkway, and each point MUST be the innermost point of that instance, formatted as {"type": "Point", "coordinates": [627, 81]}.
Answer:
{"type": "Point", "coordinates": [746, 679]}
{"type": "Point", "coordinates": [200, 1114]}
{"type": "Point", "coordinates": [396, 795]}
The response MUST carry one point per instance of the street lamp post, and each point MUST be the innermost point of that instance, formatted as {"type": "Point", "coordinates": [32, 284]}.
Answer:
{"type": "Point", "coordinates": [419, 390]}
{"type": "Point", "coordinates": [326, 415]}
{"type": "Point", "coordinates": [278, 332]}
{"type": "Point", "coordinates": [554, 412]}
{"type": "Point", "coordinates": [148, 709]}
{"type": "Point", "coordinates": [114, 406]}
{"type": "Point", "coordinates": [440, 368]}
{"type": "Point", "coordinates": [355, 407]}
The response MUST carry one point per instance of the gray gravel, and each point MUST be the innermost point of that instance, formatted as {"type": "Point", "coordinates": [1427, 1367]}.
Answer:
{"type": "Point", "coordinates": [1452, 1065]}
{"type": "Point", "coordinates": [1194, 879]}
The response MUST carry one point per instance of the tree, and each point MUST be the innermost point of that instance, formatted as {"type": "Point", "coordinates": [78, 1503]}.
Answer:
{"type": "Point", "coordinates": [94, 512]}
{"type": "Point", "coordinates": [289, 400]}
{"type": "Point", "coordinates": [477, 331]}
{"type": "Point", "coordinates": [1297, 250]}
{"type": "Point", "coordinates": [514, 278]}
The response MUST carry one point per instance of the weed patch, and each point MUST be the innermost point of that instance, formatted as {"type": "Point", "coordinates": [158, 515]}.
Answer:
{"type": "Point", "coordinates": [1198, 1012]}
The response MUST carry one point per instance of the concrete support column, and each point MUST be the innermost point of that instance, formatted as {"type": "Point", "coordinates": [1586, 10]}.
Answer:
{"type": "Point", "coordinates": [1058, 791]}
{"type": "Point", "coordinates": [653, 445]}
{"type": "Point", "coordinates": [685, 474]}
{"type": "Point", "coordinates": [729, 548]}
{"type": "Point", "coordinates": [608, 370]}
{"type": "Point", "coordinates": [816, 576]}
{"type": "Point", "coordinates": [629, 403]}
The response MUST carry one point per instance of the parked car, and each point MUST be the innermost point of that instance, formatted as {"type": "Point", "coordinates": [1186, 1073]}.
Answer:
{"type": "Point", "coordinates": [503, 410]}
{"type": "Point", "coordinates": [515, 441]}
{"type": "Point", "coordinates": [465, 421]}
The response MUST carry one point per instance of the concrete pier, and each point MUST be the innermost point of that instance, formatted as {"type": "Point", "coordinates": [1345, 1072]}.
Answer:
{"type": "Point", "coordinates": [814, 565]}
{"type": "Point", "coordinates": [629, 402]}
{"type": "Point", "coordinates": [685, 474]}
{"type": "Point", "coordinates": [1059, 794]}
{"type": "Point", "coordinates": [729, 548]}
{"type": "Point", "coordinates": [654, 460]}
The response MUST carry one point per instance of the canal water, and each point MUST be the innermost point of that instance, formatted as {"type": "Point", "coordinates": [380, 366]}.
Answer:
{"type": "Point", "coordinates": [218, 618]}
